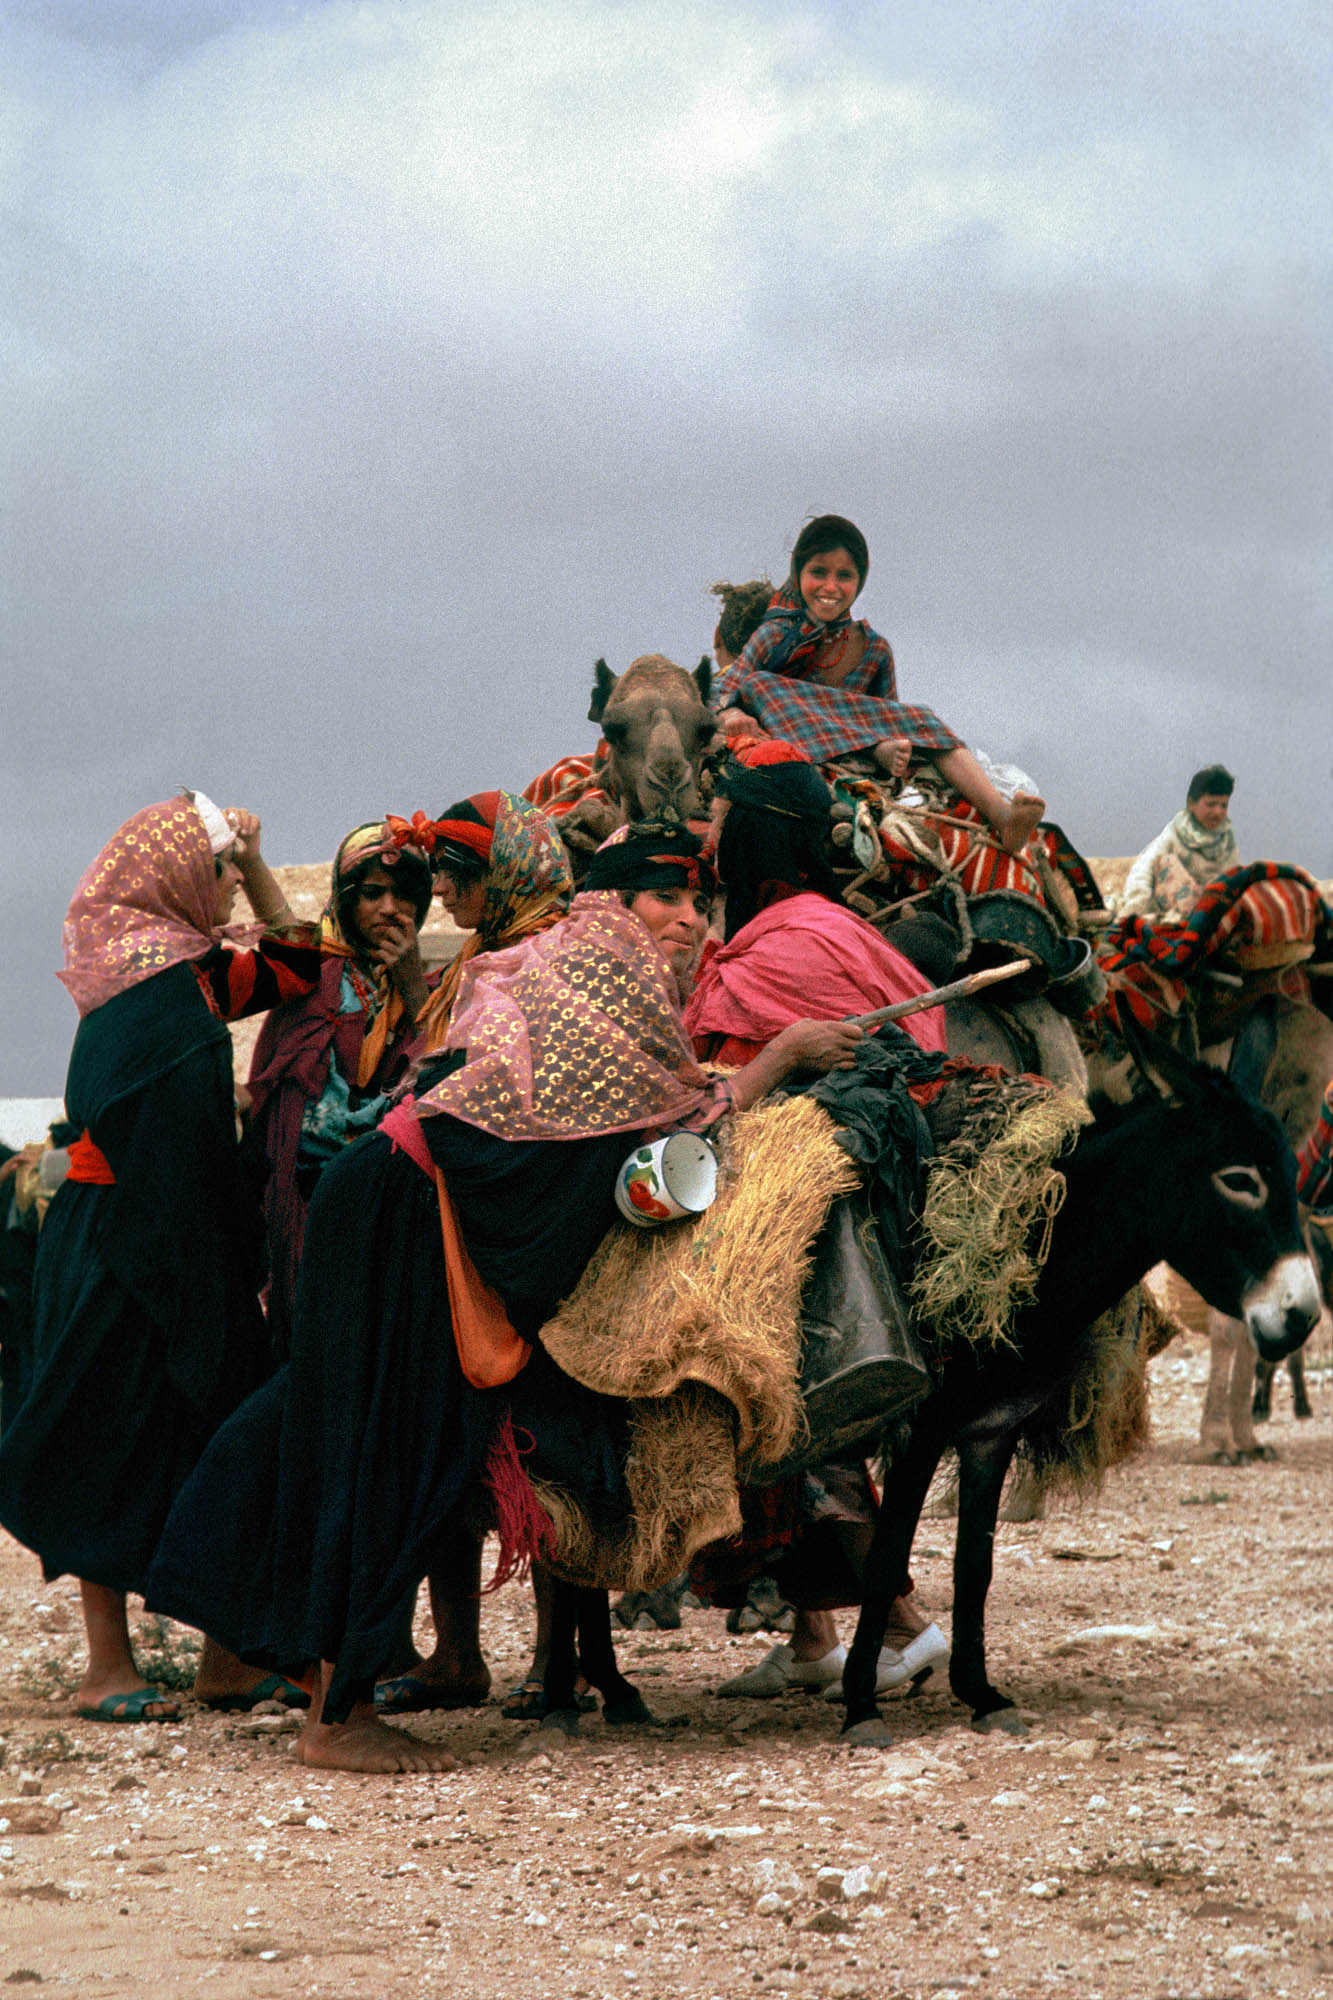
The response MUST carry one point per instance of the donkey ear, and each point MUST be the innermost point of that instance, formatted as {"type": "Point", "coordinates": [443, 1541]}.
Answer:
{"type": "Point", "coordinates": [703, 677]}
{"type": "Point", "coordinates": [1163, 1068]}
{"type": "Point", "coordinates": [603, 687]}
{"type": "Point", "coordinates": [1253, 1048]}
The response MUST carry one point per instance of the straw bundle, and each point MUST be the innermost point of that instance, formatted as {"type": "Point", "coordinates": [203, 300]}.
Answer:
{"type": "Point", "coordinates": [716, 1301]}
{"type": "Point", "coordinates": [681, 1474]}
{"type": "Point", "coordinates": [988, 1195]}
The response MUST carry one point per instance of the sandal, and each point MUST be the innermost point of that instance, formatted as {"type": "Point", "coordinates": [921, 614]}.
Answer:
{"type": "Point", "coordinates": [273, 1687]}
{"type": "Point", "coordinates": [526, 1700]}
{"type": "Point", "coordinates": [131, 1707]}
{"type": "Point", "coordinates": [404, 1694]}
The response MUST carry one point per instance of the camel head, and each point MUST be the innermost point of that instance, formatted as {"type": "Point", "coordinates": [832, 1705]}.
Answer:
{"type": "Point", "coordinates": [657, 722]}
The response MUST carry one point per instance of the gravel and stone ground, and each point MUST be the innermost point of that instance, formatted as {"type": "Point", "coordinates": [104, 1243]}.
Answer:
{"type": "Point", "coordinates": [1164, 1830]}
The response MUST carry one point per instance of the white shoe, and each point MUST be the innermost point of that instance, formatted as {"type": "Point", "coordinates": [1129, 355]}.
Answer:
{"type": "Point", "coordinates": [779, 1672]}
{"type": "Point", "coordinates": [917, 1660]}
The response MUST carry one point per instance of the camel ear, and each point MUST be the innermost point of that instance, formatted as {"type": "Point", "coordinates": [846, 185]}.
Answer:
{"type": "Point", "coordinates": [603, 687]}
{"type": "Point", "coordinates": [703, 677]}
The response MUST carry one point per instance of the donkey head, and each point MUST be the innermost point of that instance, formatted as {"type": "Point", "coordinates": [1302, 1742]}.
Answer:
{"type": "Point", "coordinates": [1234, 1229]}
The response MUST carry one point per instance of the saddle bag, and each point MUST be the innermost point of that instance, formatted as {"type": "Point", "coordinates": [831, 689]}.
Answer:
{"type": "Point", "coordinates": [861, 1365]}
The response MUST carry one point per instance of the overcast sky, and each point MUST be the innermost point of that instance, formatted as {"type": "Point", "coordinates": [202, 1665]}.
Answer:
{"type": "Point", "coordinates": [370, 367]}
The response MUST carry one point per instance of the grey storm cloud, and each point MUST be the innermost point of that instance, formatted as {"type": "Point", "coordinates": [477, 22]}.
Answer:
{"type": "Point", "coordinates": [369, 369]}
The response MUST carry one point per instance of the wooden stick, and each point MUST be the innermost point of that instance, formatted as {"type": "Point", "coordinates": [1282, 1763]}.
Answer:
{"type": "Point", "coordinates": [959, 990]}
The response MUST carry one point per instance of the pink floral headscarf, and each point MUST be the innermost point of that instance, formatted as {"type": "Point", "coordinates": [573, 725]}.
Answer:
{"type": "Point", "coordinates": [146, 902]}
{"type": "Point", "coordinates": [573, 1033]}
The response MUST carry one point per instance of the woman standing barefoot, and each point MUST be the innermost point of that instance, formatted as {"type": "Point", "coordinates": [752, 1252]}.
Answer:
{"type": "Point", "coordinates": [147, 1328]}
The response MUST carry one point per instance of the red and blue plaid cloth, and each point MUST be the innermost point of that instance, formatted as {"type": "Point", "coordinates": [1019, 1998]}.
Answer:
{"type": "Point", "coordinates": [1149, 965]}
{"type": "Point", "coordinates": [824, 722]}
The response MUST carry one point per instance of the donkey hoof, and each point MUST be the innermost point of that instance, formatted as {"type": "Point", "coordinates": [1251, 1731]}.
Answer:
{"type": "Point", "coordinates": [1263, 1453]}
{"type": "Point", "coordinates": [626, 1710]}
{"type": "Point", "coordinates": [560, 1722]}
{"type": "Point", "coordinates": [1007, 1721]}
{"type": "Point", "coordinates": [872, 1734]}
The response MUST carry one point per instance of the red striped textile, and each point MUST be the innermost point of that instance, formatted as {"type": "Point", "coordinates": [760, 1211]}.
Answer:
{"type": "Point", "coordinates": [1149, 965]}
{"type": "Point", "coordinates": [558, 790]}
{"type": "Point", "coordinates": [1314, 1162]}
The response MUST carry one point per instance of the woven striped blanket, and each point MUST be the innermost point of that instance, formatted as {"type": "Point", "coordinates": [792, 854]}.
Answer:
{"type": "Point", "coordinates": [1268, 912]}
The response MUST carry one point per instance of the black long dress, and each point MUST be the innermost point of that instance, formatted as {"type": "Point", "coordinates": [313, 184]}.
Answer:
{"type": "Point", "coordinates": [328, 1495]}
{"type": "Point", "coordinates": [147, 1330]}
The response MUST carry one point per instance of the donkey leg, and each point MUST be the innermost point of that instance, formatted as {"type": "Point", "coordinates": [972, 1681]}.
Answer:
{"type": "Point", "coordinates": [1216, 1445]}
{"type": "Point", "coordinates": [1261, 1408]}
{"type": "Point", "coordinates": [884, 1579]}
{"type": "Point", "coordinates": [621, 1701]}
{"type": "Point", "coordinates": [1242, 1395]}
{"type": "Point", "coordinates": [983, 1463]}
{"type": "Point", "coordinates": [562, 1709]}
{"type": "Point", "coordinates": [1300, 1395]}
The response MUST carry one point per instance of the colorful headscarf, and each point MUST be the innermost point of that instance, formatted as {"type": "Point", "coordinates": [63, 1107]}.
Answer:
{"type": "Point", "coordinates": [651, 855]}
{"type": "Point", "coordinates": [377, 843]}
{"type": "Point", "coordinates": [528, 886]}
{"type": "Point", "coordinates": [147, 902]}
{"type": "Point", "coordinates": [374, 844]}
{"type": "Point", "coordinates": [575, 1033]}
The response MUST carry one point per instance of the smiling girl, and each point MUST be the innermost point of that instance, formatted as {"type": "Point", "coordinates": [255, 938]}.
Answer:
{"type": "Point", "coordinates": [824, 681]}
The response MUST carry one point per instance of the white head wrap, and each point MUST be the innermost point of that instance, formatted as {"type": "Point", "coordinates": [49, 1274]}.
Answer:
{"type": "Point", "coordinates": [220, 835]}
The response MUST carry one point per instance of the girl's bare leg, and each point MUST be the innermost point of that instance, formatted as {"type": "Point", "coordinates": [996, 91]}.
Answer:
{"type": "Point", "coordinates": [1013, 819]}
{"type": "Point", "coordinates": [363, 1742]}
{"type": "Point", "coordinates": [111, 1669]}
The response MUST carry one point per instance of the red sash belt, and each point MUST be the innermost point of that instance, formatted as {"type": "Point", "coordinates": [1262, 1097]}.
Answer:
{"type": "Point", "coordinates": [88, 1164]}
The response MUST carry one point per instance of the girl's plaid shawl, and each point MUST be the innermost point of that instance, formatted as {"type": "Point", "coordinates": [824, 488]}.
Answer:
{"type": "Point", "coordinates": [768, 682]}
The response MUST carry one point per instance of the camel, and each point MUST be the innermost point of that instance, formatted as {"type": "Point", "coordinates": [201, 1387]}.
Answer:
{"type": "Point", "coordinates": [659, 729]}
{"type": "Point", "coordinates": [1196, 1174]}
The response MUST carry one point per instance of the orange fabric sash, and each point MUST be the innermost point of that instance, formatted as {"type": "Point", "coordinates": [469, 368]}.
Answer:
{"type": "Point", "coordinates": [377, 1038]}
{"type": "Point", "coordinates": [489, 1350]}
{"type": "Point", "coordinates": [88, 1164]}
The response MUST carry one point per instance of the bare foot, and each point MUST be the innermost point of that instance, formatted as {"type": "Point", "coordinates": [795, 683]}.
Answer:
{"type": "Point", "coordinates": [364, 1743]}
{"type": "Point", "coordinates": [1021, 818]}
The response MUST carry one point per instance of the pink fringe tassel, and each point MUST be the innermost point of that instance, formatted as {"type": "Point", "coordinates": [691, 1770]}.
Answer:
{"type": "Point", "coordinates": [527, 1533]}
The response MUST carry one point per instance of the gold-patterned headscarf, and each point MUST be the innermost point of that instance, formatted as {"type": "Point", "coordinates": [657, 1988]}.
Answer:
{"type": "Point", "coordinates": [148, 901]}
{"type": "Point", "coordinates": [528, 887]}
{"type": "Point", "coordinates": [574, 1033]}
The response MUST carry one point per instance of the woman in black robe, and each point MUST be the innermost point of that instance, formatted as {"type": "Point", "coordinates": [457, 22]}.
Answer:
{"type": "Point", "coordinates": [147, 1329]}
{"type": "Point", "coordinates": [334, 1489]}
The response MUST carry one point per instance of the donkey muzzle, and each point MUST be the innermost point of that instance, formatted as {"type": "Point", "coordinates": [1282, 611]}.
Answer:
{"type": "Point", "coordinates": [1283, 1307]}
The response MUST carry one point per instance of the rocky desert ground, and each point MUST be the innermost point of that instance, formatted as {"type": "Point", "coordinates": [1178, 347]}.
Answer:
{"type": "Point", "coordinates": [1162, 1833]}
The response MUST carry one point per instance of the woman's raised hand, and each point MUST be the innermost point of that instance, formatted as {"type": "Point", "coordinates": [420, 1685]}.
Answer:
{"type": "Point", "coordinates": [245, 825]}
{"type": "Point", "coordinates": [819, 1045]}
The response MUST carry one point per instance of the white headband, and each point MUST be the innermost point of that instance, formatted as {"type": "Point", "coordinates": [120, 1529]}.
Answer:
{"type": "Point", "coordinates": [220, 835]}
